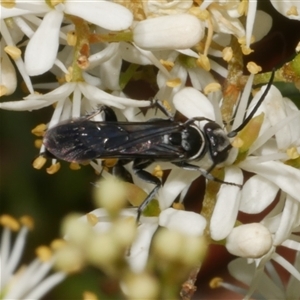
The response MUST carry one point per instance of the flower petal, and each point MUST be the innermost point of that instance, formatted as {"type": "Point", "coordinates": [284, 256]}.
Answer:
{"type": "Point", "coordinates": [228, 201]}
{"type": "Point", "coordinates": [192, 103]}
{"type": "Point", "coordinates": [286, 177]}
{"type": "Point", "coordinates": [257, 194]}
{"type": "Point", "coordinates": [289, 9]}
{"type": "Point", "coordinates": [41, 50]}
{"type": "Point", "coordinates": [139, 250]}
{"type": "Point", "coordinates": [186, 222]}
{"type": "Point", "coordinates": [105, 14]}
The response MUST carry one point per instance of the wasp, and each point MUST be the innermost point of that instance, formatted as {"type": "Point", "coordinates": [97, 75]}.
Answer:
{"type": "Point", "coordinates": [180, 143]}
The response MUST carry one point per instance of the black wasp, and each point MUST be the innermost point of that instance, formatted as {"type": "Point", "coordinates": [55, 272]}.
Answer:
{"type": "Point", "coordinates": [144, 142]}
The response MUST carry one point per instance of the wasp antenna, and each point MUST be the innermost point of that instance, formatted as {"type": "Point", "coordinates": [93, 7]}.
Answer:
{"type": "Point", "coordinates": [250, 116]}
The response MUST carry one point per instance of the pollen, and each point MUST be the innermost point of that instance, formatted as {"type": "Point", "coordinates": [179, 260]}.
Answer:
{"type": "Point", "coordinates": [292, 153]}
{"type": "Point", "coordinates": [39, 130]}
{"type": "Point", "coordinates": [53, 168]}
{"type": "Point", "coordinates": [109, 162]}
{"type": "Point", "coordinates": [10, 222]}
{"type": "Point", "coordinates": [173, 82]}
{"type": "Point", "coordinates": [71, 38]}
{"type": "Point", "coordinates": [253, 68]}
{"type": "Point", "coordinates": [8, 3]}
{"type": "Point", "coordinates": [166, 105]}
{"type": "Point", "coordinates": [39, 162]}
{"type": "Point", "coordinates": [212, 87]}
{"type": "Point", "coordinates": [92, 219]}
{"type": "Point", "coordinates": [227, 54]}
{"type": "Point", "coordinates": [13, 51]}
{"type": "Point", "coordinates": [74, 166]}
{"type": "Point", "coordinates": [44, 253]}
{"type": "Point", "coordinates": [167, 64]}
{"type": "Point", "coordinates": [27, 221]}
{"type": "Point", "coordinates": [216, 283]}
{"type": "Point", "coordinates": [293, 11]}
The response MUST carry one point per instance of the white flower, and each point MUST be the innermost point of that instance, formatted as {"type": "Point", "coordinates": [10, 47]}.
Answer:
{"type": "Point", "coordinates": [289, 9]}
{"type": "Point", "coordinates": [277, 175]}
{"type": "Point", "coordinates": [270, 284]}
{"type": "Point", "coordinates": [41, 50]}
{"type": "Point", "coordinates": [29, 282]}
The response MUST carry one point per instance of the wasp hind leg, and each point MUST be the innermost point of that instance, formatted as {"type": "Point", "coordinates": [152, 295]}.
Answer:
{"type": "Point", "coordinates": [138, 167]}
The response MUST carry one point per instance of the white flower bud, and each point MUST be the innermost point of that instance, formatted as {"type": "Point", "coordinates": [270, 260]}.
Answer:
{"type": "Point", "coordinates": [168, 32]}
{"type": "Point", "coordinates": [250, 240]}
{"type": "Point", "coordinates": [8, 77]}
{"type": "Point", "coordinates": [182, 221]}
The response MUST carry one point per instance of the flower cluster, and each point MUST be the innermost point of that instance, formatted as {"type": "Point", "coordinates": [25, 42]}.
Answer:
{"type": "Point", "coordinates": [95, 49]}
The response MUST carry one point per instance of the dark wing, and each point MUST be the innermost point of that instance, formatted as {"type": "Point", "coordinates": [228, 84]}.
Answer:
{"type": "Point", "coordinates": [83, 139]}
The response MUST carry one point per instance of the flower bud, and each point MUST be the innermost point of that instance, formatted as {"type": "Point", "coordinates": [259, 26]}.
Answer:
{"type": "Point", "coordinates": [168, 32]}
{"type": "Point", "coordinates": [250, 241]}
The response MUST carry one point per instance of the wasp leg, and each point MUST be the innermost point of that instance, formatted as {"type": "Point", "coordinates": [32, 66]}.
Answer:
{"type": "Point", "coordinates": [138, 166]}
{"type": "Point", "coordinates": [157, 104]}
{"type": "Point", "coordinates": [205, 173]}
{"type": "Point", "coordinates": [119, 170]}
{"type": "Point", "coordinates": [109, 114]}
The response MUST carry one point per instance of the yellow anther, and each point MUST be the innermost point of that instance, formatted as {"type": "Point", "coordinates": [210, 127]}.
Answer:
{"type": "Point", "coordinates": [74, 166]}
{"type": "Point", "coordinates": [27, 221]}
{"type": "Point", "coordinates": [109, 162]}
{"type": "Point", "coordinates": [71, 38]}
{"type": "Point", "coordinates": [166, 105]}
{"type": "Point", "coordinates": [243, 7]}
{"type": "Point", "coordinates": [10, 222]}
{"type": "Point", "coordinates": [167, 64]}
{"type": "Point", "coordinates": [178, 206]}
{"type": "Point", "coordinates": [44, 253]}
{"type": "Point", "coordinates": [92, 219]}
{"type": "Point", "coordinates": [227, 54]}
{"type": "Point", "coordinates": [158, 172]}
{"type": "Point", "coordinates": [8, 3]}
{"type": "Point", "coordinates": [212, 87]}
{"type": "Point", "coordinates": [293, 11]}
{"type": "Point", "coordinates": [13, 51]}
{"type": "Point", "coordinates": [57, 244]}
{"type": "Point", "coordinates": [173, 82]}
{"type": "Point", "coordinates": [89, 296]}
{"type": "Point", "coordinates": [203, 62]}
{"type": "Point", "coordinates": [292, 153]}
{"type": "Point", "coordinates": [39, 130]}
{"type": "Point", "coordinates": [215, 283]}
{"type": "Point", "coordinates": [3, 90]}
{"type": "Point", "coordinates": [38, 143]}
{"type": "Point", "coordinates": [53, 168]}
{"type": "Point", "coordinates": [246, 50]}
{"type": "Point", "coordinates": [253, 68]}
{"type": "Point", "coordinates": [39, 162]}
